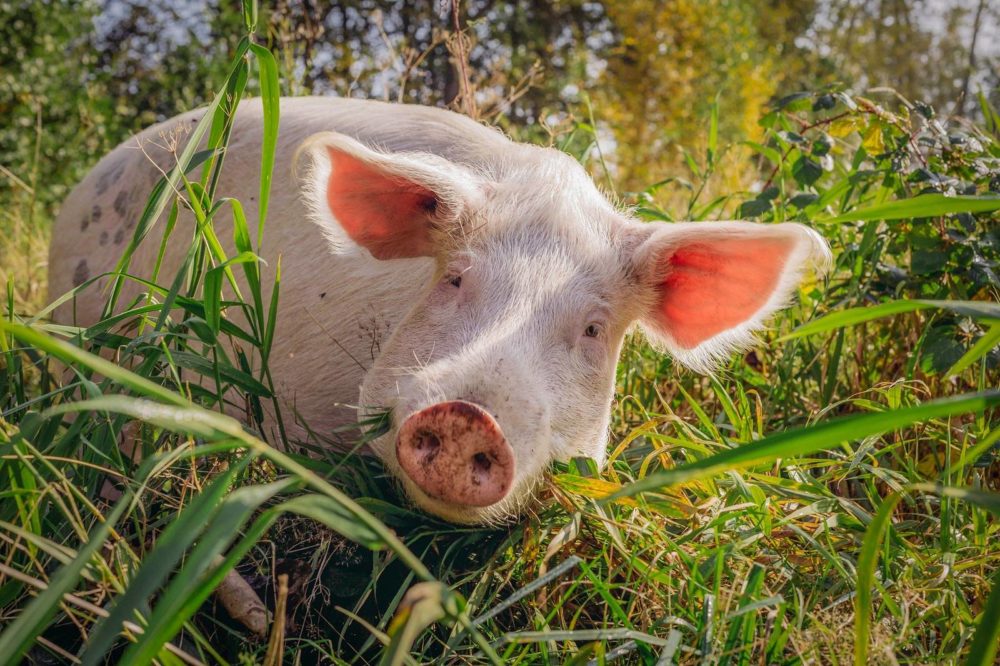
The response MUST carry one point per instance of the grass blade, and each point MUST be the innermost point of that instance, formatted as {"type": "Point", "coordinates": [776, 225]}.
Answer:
{"type": "Point", "coordinates": [328, 512]}
{"type": "Point", "coordinates": [986, 312]}
{"type": "Point", "coordinates": [925, 205]}
{"type": "Point", "coordinates": [159, 200]}
{"type": "Point", "coordinates": [983, 346]}
{"type": "Point", "coordinates": [269, 94]}
{"type": "Point", "coordinates": [867, 561]}
{"type": "Point", "coordinates": [983, 651]}
{"type": "Point", "coordinates": [158, 563]}
{"type": "Point", "coordinates": [423, 605]}
{"type": "Point", "coordinates": [188, 587]}
{"type": "Point", "coordinates": [71, 355]}
{"type": "Point", "coordinates": [21, 633]}
{"type": "Point", "coordinates": [809, 439]}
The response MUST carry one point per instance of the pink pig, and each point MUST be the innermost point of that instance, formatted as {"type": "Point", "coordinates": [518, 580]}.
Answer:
{"type": "Point", "coordinates": [477, 288]}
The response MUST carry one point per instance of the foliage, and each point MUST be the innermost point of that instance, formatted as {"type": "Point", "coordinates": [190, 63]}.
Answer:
{"type": "Point", "coordinates": [837, 483]}
{"type": "Point", "coordinates": [651, 107]}
{"type": "Point", "coordinates": [74, 83]}
{"type": "Point", "coordinates": [87, 74]}
{"type": "Point", "coordinates": [831, 146]}
{"type": "Point", "coordinates": [926, 51]}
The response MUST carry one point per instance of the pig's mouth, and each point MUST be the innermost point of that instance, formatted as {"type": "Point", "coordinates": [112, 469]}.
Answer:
{"type": "Point", "coordinates": [455, 460]}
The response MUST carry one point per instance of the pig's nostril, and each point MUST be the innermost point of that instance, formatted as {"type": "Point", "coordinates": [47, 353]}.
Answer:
{"type": "Point", "coordinates": [426, 441]}
{"type": "Point", "coordinates": [482, 463]}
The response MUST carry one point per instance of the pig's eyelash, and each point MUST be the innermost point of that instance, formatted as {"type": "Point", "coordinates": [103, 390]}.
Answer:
{"type": "Point", "coordinates": [455, 277]}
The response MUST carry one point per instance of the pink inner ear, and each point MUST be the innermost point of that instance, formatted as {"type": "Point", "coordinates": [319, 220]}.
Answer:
{"type": "Point", "coordinates": [708, 288]}
{"type": "Point", "coordinates": [386, 214]}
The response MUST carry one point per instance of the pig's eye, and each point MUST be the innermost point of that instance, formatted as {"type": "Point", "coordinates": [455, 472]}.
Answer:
{"type": "Point", "coordinates": [455, 281]}
{"type": "Point", "coordinates": [592, 331]}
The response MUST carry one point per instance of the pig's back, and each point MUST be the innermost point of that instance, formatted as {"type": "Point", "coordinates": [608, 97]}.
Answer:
{"type": "Point", "coordinates": [98, 218]}
{"type": "Point", "coordinates": [334, 311]}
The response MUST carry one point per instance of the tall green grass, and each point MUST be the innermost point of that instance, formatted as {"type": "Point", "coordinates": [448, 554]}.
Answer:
{"type": "Point", "coordinates": [829, 499]}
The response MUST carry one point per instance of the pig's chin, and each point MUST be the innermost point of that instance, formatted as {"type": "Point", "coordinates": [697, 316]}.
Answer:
{"type": "Point", "coordinates": [521, 496]}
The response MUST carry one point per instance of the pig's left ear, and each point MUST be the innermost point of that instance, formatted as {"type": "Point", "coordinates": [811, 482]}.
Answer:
{"type": "Point", "coordinates": [395, 205]}
{"type": "Point", "coordinates": [708, 286]}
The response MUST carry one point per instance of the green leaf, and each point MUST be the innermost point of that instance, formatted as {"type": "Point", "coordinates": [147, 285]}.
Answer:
{"type": "Point", "coordinates": [754, 208]}
{"type": "Point", "coordinates": [867, 561]}
{"type": "Point", "coordinates": [824, 102]}
{"type": "Point", "coordinates": [927, 262]}
{"type": "Point", "coordinates": [796, 101]}
{"type": "Point", "coordinates": [982, 347]}
{"type": "Point", "coordinates": [713, 132]}
{"type": "Point", "coordinates": [925, 205]}
{"type": "Point", "coordinates": [979, 310]}
{"type": "Point", "coordinates": [802, 441]}
{"type": "Point", "coordinates": [272, 316]}
{"type": "Point", "coordinates": [940, 350]}
{"type": "Point", "coordinates": [212, 288]}
{"type": "Point", "coordinates": [803, 199]}
{"type": "Point", "coordinates": [250, 13]}
{"type": "Point", "coordinates": [270, 93]}
{"type": "Point", "coordinates": [424, 604]}
{"type": "Point", "coordinates": [806, 171]}
{"type": "Point", "coordinates": [772, 155]}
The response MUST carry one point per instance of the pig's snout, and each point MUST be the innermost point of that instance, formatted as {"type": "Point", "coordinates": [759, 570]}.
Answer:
{"type": "Point", "coordinates": [455, 452]}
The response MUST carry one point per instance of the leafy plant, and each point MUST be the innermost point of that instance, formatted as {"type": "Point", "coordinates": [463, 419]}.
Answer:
{"type": "Point", "coordinates": [755, 516]}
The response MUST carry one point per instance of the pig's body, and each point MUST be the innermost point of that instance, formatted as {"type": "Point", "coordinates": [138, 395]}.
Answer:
{"type": "Point", "coordinates": [477, 288]}
{"type": "Point", "coordinates": [334, 311]}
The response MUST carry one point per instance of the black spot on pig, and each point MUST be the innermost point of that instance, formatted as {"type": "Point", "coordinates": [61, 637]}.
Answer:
{"type": "Point", "coordinates": [119, 236]}
{"type": "Point", "coordinates": [103, 240]}
{"type": "Point", "coordinates": [323, 295]}
{"type": "Point", "coordinates": [110, 176]}
{"type": "Point", "coordinates": [81, 273]}
{"type": "Point", "coordinates": [93, 218]}
{"type": "Point", "coordinates": [121, 203]}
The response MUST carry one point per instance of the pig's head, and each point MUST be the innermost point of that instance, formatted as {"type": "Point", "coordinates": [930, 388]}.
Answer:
{"type": "Point", "coordinates": [506, 361]}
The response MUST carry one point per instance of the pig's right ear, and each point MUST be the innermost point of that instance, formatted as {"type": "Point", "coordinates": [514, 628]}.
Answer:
{"type": "Point", "coordinates": [395, 205]}
{"type": "Point", "coordinates": [709, 286]}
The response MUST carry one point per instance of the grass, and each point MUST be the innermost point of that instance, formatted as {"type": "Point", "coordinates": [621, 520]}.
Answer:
{"type": "Point", "coordinates": [829, 498]}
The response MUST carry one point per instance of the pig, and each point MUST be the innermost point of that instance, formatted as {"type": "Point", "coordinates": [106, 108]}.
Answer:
{"type": "Point", "coordinates": [477, 288]}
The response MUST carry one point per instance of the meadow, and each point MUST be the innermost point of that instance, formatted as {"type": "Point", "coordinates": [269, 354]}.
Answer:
{"type": "Point", "coordinates": [830, 497]}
